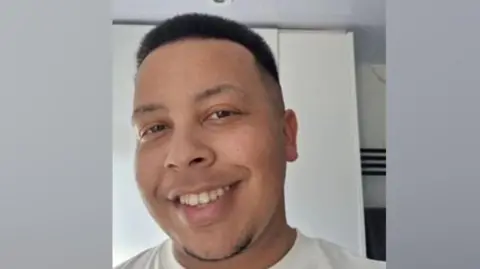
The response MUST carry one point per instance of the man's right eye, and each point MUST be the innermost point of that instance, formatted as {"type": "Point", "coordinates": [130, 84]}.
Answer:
{"type": "Point", "coordinates": [153, 129]}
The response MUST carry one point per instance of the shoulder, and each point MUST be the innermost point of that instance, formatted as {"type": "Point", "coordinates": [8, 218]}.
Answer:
{"type": "Point", "coordinates": [147, 259]}
{"type": "Point", "coordinates": [341, 258]}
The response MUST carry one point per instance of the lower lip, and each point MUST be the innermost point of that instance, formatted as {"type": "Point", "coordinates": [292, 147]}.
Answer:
{"type": "Point", "coordinates": [208, 214]}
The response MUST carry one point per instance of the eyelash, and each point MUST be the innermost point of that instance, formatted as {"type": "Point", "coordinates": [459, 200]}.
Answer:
{"type": "Point", "coordinates": [163, 126]}
{"type": "Point", "coordinates": [149, 130]}
{"type": "Point", "coordinates": [230, 112]}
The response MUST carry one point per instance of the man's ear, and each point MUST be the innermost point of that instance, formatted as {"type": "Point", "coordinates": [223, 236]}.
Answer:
{"type": "Point", "coordinates": [290, 130]}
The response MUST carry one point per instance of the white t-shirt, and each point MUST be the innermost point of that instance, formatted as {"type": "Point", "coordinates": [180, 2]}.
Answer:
{"type": "Point", "coordinates": [306, 253]}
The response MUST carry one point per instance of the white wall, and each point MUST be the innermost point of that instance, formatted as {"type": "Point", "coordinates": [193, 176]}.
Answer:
{"type": "Point", "coordinates": [372, 120]}
{"type": "Point", "coordinates": [300, 12]}
{"type": "Point", "coordinates": [372, 105]}
{"type": "Point", "coordinates": [365, 17]}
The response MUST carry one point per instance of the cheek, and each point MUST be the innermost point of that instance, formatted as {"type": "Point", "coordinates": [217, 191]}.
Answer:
{"type": "Point", "coordinates": [262, 154]}
{"type": "Point", "coordinates": [258, 149]}
{"type": "Point", "coordinates": [252, 144]}
{"type": "Point", "coordinates": [148, 167]}
{"type": "Point", "coordinates": [149, 175]}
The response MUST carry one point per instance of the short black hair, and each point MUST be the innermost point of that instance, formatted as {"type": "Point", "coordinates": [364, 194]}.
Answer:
{"type": "Point", "coordinates": [195, 25]}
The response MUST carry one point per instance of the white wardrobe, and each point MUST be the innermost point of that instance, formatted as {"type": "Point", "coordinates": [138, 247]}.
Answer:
{"type": "Point", "coordinates": [324, 188]}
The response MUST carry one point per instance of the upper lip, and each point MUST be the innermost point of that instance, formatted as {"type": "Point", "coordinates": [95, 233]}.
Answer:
{"type": "Point", "coordinates": [175, 193]}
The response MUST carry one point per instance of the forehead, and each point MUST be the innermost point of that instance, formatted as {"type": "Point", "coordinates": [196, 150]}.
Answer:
{"type": "Point", "coordinates": [192, 65]}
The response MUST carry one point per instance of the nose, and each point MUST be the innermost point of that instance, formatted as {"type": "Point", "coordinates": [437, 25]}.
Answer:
{"type": "Point", "coordinates": [188, 151]}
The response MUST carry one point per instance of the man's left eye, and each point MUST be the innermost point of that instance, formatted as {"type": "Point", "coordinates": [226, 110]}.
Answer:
{"type": "Point", "coordinates": [222, 114]}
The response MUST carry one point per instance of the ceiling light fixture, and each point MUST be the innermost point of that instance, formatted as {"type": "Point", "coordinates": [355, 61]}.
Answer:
{"type": "Point", "coordinates": [222, 2]}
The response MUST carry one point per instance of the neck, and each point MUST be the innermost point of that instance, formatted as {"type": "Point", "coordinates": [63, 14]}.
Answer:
{"type": "Point", "coordinates": [270, 247]}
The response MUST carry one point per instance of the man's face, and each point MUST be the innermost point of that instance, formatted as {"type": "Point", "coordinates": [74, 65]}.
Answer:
{"type": "Point", "coordinates": [212, 149]}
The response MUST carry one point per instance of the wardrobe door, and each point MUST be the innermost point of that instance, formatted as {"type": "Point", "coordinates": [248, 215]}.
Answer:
{"type": "Point", "coordinates": [323, 189]}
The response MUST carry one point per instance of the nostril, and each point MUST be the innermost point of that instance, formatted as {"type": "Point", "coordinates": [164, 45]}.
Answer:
{"type": "Point", "coordinates": [170, 166]}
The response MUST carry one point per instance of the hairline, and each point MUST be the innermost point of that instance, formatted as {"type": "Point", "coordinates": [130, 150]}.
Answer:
{"type": "Point", "coordinates": [273, 87]}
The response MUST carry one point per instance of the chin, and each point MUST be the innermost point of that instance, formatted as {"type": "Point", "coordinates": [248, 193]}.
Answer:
{"type": "Point", "coordinates": [217, 250]}
{"type": "Point", "coordinates": [210, 254]}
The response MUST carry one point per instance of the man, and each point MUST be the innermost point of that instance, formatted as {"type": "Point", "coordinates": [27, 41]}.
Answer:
{"type": "Point", "coordinates": [214, 139]}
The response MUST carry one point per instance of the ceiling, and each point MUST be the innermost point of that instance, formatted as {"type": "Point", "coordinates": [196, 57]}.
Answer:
{"type": "Point", "coordinates": [366, 18]}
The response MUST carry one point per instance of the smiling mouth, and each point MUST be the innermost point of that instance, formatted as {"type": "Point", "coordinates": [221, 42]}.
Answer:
{"type": "Point", "coordinates": [204, 198]}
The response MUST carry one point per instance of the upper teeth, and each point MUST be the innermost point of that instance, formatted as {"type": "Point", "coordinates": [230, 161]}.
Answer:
{"type": "Point", "coordinates": [204, 197]}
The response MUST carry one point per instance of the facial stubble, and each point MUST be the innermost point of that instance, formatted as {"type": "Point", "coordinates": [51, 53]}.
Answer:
{"type": "Point", "coordinates": [242, 245]}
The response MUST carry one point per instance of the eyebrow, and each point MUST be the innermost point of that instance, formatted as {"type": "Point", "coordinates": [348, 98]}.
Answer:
{"type": "Point", "coordinates": [148, 108]}
{"type": "Point", "coordinates": [217, 90]}
{"type": "Point", "coordinates": [199, 97]}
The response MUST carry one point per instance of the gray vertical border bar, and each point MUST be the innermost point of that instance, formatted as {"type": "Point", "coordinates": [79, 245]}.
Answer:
{"type": "Point", "coordinates": [55, 139]}
{"type": "Point", "coordinates": [433, 107]}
